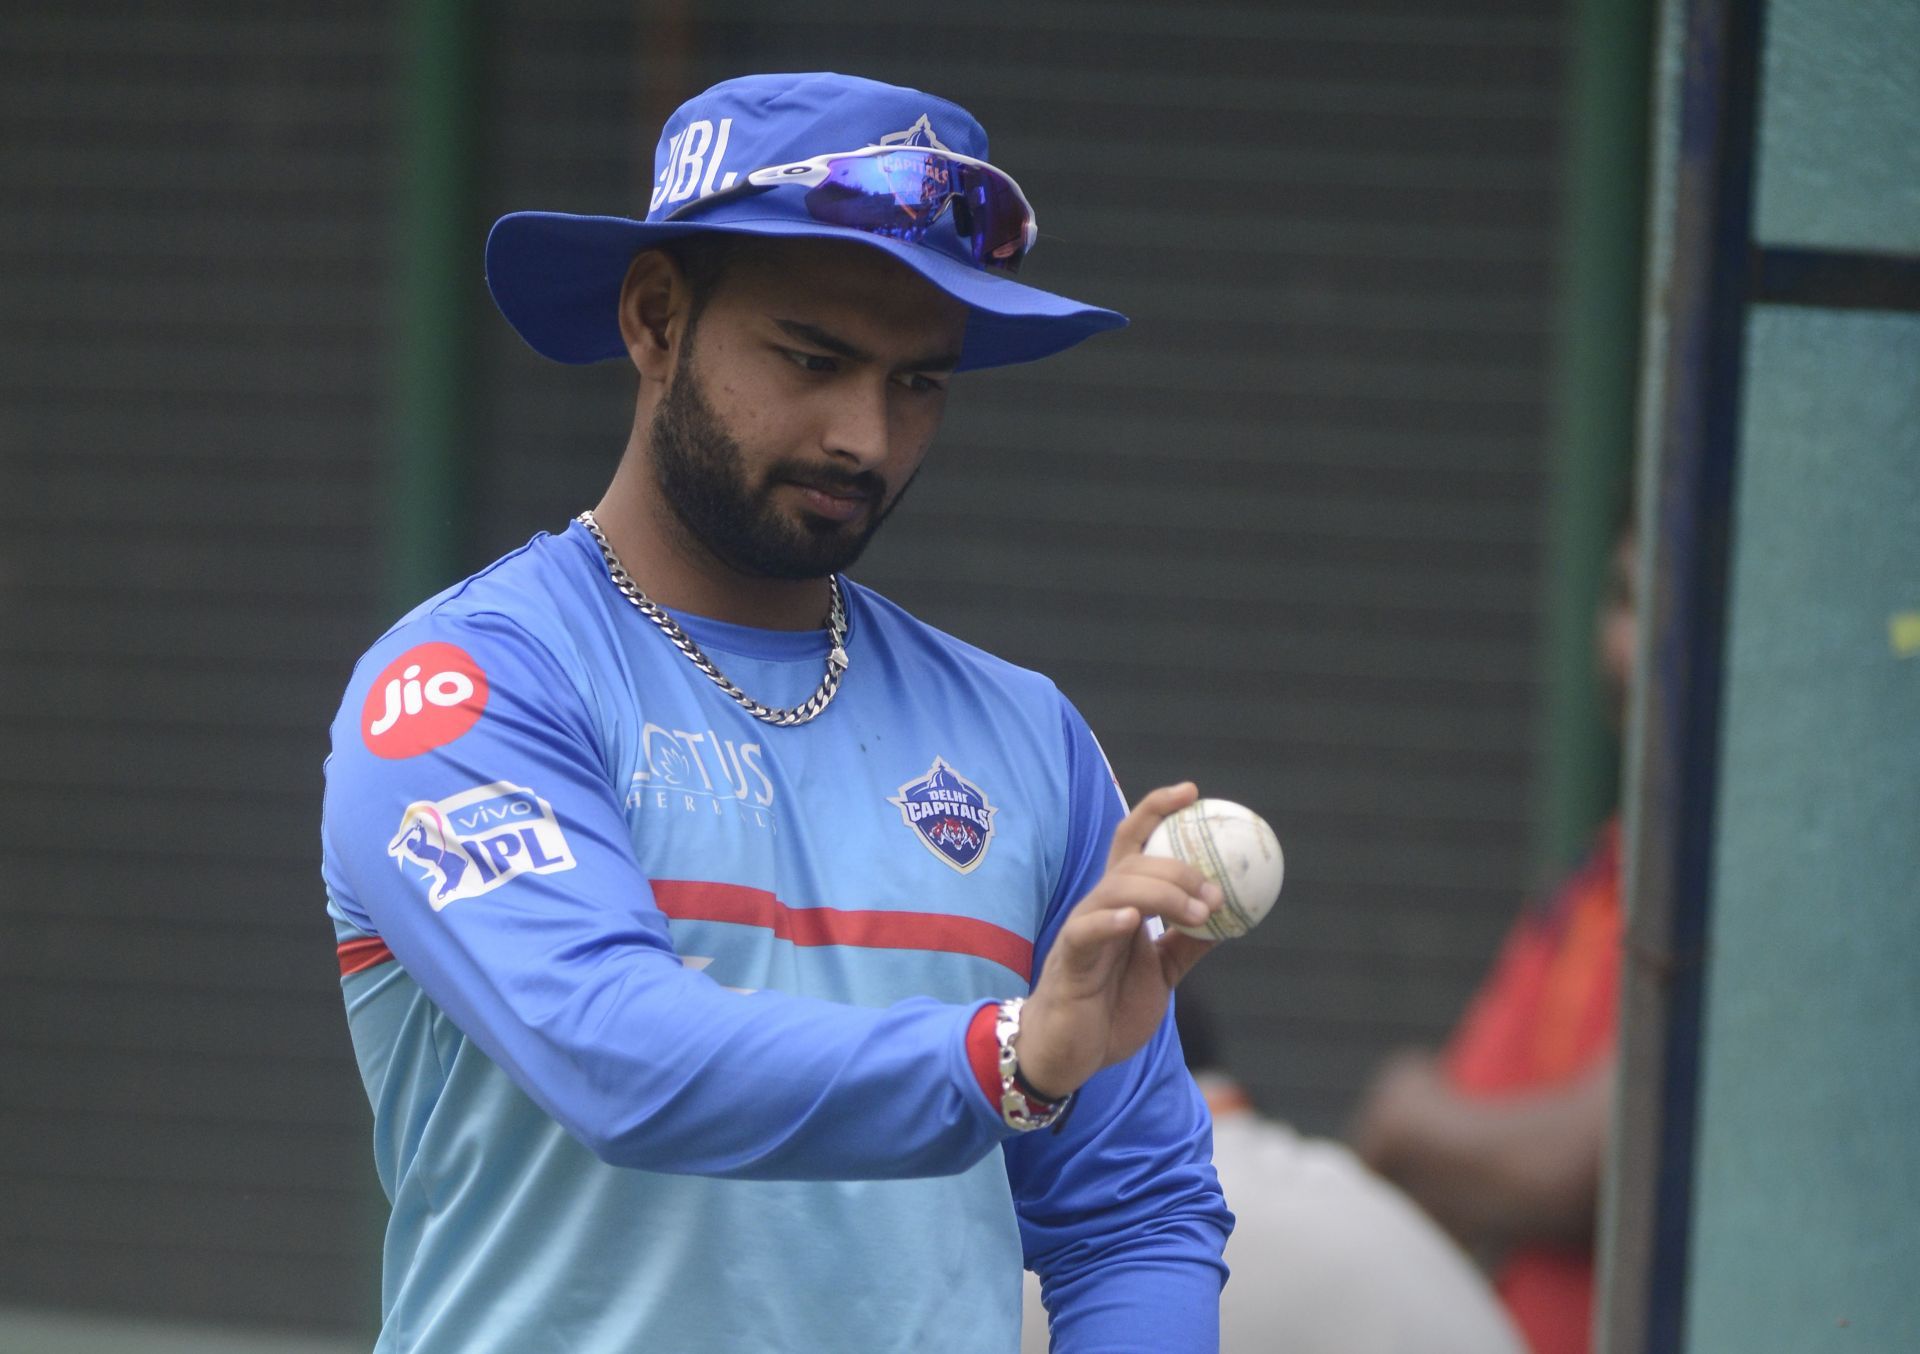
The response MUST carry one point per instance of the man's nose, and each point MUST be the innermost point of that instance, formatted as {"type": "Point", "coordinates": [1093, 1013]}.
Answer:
{"type": "Point", "coordinates": [857, 426]}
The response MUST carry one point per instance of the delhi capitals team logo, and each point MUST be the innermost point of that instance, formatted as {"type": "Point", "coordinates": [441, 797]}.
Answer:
{"type": "Point", "coordinates": [950, 813]}
{"type": "Point", "coordinates": [920, 134]}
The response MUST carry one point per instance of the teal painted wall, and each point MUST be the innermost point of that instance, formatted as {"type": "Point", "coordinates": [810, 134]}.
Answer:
{"type": "Point", "coordinates": [1806, 1231]}
{"type": "Point", "coordinates": [1840, 125]}
{"type": "Point", "coordinates": [1807, 1186]}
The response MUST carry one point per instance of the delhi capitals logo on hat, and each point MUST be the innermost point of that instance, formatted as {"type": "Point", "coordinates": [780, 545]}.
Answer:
{"type": "Point", "coordinates": [920, 134]}
{"type": "Point", "coordinates": [950, 813]}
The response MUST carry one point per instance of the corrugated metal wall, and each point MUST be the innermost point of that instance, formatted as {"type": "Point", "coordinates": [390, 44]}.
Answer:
{"type": "Point", "coordinates": [568, 132]}
{"type": "Point", "coordinates": [1281, 536]}
{"type": "Point", "coordinates": [192, 250]}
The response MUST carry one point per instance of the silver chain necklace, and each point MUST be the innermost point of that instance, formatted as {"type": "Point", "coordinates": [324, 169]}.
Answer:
{"type": "Point", "coordinates": [799, 714]}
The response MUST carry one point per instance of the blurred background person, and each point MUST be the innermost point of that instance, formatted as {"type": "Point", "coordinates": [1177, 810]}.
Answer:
{"type": "Point", "coordinates": [1326, 1257]}
{"type": "Point", "coordinates": [1503, 1136]}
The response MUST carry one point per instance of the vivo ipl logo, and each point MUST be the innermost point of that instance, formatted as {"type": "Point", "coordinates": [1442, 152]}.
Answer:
{"type": "Point", "coordinates": [949, 813]}
{"type": "Point", "coordinates": [479, 839]}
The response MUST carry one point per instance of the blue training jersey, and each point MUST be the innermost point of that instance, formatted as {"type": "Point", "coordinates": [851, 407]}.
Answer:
{"type": "Point", "coordinates": [661, 1010]}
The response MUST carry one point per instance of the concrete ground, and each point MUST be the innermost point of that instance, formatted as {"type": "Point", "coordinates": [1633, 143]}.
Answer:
{"type": "Point", "coordinates": [46, 1332]}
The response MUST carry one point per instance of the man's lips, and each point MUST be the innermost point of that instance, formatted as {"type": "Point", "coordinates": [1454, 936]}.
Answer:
{"type": "Point", "coordinates": [839, 505]}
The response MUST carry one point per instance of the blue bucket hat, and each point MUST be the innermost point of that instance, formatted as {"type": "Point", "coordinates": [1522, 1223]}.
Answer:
{"type": "Point", "coordinates": [556, 277]}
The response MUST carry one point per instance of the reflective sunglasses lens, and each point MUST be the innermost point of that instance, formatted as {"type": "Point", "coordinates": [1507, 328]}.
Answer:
{"type": "Point", "coordinates": [996, 219]}
{"type": "Point", "coordinates": [899, 194]}
{"type": "Point", "coordinates": [902, 193]}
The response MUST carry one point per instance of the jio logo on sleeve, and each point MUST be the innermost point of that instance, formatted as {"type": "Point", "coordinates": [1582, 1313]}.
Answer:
{"type": "Point", "coordinates": [424, 699]}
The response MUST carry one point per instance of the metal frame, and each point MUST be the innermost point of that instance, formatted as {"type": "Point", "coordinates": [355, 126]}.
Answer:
{"type": "Point", "coordinates": [1836, 279]}
{"type": "Point", "coordinates": [1673, 783]}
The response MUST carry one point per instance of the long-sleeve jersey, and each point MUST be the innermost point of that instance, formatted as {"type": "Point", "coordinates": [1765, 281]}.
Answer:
{"type": "Point", "coordinates": [661, 1010]}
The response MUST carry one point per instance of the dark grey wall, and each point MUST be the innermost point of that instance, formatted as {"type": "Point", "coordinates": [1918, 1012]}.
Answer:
{"type": "Point", "coordinates": [1281, 536]}
{"type": "Point", "coordinates": [193, 252]}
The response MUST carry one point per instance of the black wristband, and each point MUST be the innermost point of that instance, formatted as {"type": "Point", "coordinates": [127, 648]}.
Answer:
{"type": "Point", "coordinates": [1028, 1089]}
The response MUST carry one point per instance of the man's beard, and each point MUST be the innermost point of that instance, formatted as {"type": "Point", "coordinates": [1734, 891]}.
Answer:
{"type": "Point", "coordinates": [702, 474]}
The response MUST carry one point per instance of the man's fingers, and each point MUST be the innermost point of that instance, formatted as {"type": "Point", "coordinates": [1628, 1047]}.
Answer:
{"type": "Point", "coordinates": [1138, 895]}
{"type": "Point", "coordinates": [1093, 942]}
{"type": "Point", "coordinates": [1181, 875]}
{"type": "Point", "coordinates": [1131, 836]}
{"type": "Point", "coordinates": [1179, 952]}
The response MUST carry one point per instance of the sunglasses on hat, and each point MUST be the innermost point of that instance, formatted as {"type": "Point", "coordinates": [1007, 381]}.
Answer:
{"type": "Point", "coordinates": [901, 192]}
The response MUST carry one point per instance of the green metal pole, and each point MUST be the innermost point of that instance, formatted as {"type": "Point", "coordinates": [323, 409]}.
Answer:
{"type": "Point", "coordinates": [1593, 408]}
{"type": "Point", "coordinates": [435, 278]}
{"type": "Point", "coordinates": [435, 285]}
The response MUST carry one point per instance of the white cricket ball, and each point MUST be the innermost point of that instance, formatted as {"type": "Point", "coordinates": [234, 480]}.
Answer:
{"type": "Point", "coordinates": [1233, 846]}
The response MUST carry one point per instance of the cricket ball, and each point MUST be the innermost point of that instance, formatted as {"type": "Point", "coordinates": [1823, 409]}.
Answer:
{"type": "Point", "coordinates": [1235, 848]}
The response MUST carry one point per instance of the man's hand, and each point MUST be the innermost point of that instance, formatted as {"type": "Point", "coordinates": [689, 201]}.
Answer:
{"type": "Point", "coordinates": [1523, 1167]}
{"type": "Point", "coordinates": [1407, 1094]}
{"type": "Point", "coordinates": [1105, 986]}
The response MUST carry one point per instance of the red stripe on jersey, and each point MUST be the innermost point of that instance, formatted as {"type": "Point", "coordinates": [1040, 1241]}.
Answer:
{"type": "Point", "coordinates": [362, 953]}
{"type": "Point", "coordinates": [694, 900]}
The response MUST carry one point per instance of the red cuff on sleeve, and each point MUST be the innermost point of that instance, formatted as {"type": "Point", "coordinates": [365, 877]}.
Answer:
{"type": "Point", "coordinates": [983, 1052]}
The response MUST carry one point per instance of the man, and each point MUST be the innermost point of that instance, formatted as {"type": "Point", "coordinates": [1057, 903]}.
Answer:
{"type": "Point", "coordinates": [683, 887]}
{"type": "Point", "coordinates": [1331, 1259]}
{"type": "Point", "coordinates": [1503, 1138]}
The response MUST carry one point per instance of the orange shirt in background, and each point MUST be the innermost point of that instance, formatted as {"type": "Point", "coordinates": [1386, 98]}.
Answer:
{"type": "Point", "coordinates": [1543, 1019]}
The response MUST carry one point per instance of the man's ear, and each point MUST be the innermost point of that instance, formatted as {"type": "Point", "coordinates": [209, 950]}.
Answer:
{"type": "Point", "coordinates": [655, 301]}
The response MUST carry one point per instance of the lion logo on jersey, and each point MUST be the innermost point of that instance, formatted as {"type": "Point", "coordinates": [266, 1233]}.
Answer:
{"type": "Point", "coordinates": [950, 815]}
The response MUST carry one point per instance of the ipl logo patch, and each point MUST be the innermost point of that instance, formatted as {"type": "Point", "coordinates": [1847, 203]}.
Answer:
{"type": "Point", "coordinates": [949, 813]}
{"type": "Point", "coordinates": [479, 839]}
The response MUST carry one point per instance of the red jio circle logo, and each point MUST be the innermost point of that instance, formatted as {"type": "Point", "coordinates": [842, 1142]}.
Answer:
{"type": "Point", "coordinates": [426, 698]}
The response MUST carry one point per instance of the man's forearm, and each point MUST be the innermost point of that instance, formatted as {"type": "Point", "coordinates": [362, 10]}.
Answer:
{"type": "Point", "coordinates": [1521, 1168]}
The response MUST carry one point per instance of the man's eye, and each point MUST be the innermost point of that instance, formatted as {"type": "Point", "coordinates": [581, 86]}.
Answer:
{"type": "Point", "coordinates": [922, 385]}
{"type": "Point", "coordinates": [810, 361]}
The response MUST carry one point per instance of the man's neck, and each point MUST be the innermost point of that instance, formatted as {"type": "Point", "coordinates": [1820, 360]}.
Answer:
{"type": "Point", "coordinates": [682, 574]}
